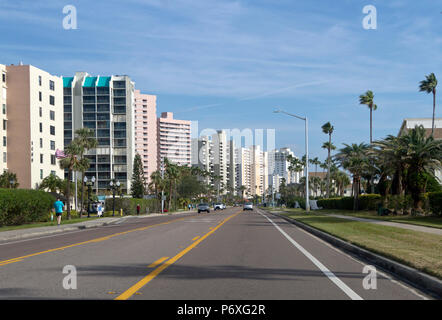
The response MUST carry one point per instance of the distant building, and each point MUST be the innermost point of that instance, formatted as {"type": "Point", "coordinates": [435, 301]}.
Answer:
{"type": "Point", "coordinates": [31, 116]}
{"type": "Point", "coordinates": [146, 144]}
{"type": "Point", "coordinates": [173, 140]}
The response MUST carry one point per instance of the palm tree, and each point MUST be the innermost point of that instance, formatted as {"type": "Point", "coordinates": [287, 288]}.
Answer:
{"type": "Point", "coordinates": [327, 128]}
{"type": "Point", "coordinates": [429, 86]}
{"type": "Point", "coordinates": [52, 183]}
{"type": "Point", "coordinates": [71, 163]}
{"type": "Point", "coordinates": [367, 99]}
{"type": "Point", "coordinates": [242, 189]}
{"type": "Point", "coordinates": [172, 176]}
{"type": "Point", "coordinates": [354, 159]}
{"type": "Point", "coordinates": [86, 140]}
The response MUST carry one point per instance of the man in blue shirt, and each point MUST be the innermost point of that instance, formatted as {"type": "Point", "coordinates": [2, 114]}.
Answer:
{"type": "Point", "coordinates": [58, 206]}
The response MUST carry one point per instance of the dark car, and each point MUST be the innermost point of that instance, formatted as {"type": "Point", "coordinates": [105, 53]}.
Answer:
{"type": "Point", "coordinates": [203, 207]}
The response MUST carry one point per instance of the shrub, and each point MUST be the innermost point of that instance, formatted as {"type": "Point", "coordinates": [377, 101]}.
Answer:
{"type": "Point", "coordinates": [366, 202]}
{"type": "Point", "coordinates": [435, 202]}
{"type": "Point", "coordinates": [19, 206]}
{"type": "Point", "coordinates": [129, 205]}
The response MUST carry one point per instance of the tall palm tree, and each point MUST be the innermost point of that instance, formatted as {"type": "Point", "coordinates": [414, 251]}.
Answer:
{"type": "Point", "coordinates": [429, 86]}
{"type": "Point", "coordinates": [86, 140]}
{"type": "Point", "coordinates": [368, 99]}
{"type": "Point", "coordinates": [354, 159]}
{"type": "Point", "coordinates": [71, 163]}
{"type": "Point", "coordinates": [327, 128]}
{"type": "Point", "coordinates": [172, 175]}
{"type": "Point", "coordinates": [242, 189]}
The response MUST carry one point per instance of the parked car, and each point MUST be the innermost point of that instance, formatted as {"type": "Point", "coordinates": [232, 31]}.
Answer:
{"type": "Point", "coordinates": [203, 207]}
{"type": "Point", "coordinates": [219, 206]}
{"type": "Point", "coordinates": [248, 206]}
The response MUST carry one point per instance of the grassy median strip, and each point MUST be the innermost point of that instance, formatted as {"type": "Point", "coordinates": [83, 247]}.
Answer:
{"type": "Point", "coordinates": [426, 221]}
{"type": "Point", "coordinates": [44, 224]}
{"type": "Point", "coordinates": [419, 250]}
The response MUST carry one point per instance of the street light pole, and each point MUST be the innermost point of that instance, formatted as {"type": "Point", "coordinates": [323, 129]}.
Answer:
{"type": "Point", "coordinates": [307, 203]}
{"type": "Point", "coordinates": [114, 186]}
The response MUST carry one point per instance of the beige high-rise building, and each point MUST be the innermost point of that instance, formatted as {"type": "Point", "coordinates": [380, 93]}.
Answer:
{"type": "Point", "coordinates": [173, 139]}
{"type": "Point", "coordinates": [243, 163]}
{"type": "Point", "coordinates": [3, 120]}
{"type": "Point", "coordinates": [260, 171]}
{"type": "Point", "coordinates": [34, 110]}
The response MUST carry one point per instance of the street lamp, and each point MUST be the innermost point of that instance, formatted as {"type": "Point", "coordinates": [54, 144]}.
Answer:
{"type": "Point", "coordinates": [89, 185]}
{"type": "Point", "coordinates": [307, 203]}
{"type": "Point", "coordinates": [114, 187]}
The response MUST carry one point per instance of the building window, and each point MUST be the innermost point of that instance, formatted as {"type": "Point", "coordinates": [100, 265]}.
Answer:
{"type": "Point", "coordinates": [52, 115]}
{"type": "Point", "coordinates": [53, 172]}
{"type": "Point", "coordinates": [41, 127]}
{"type": "Point", "coordinates": [4, 77]}
{"type": "Point", "coordinates": [41, 173]}
{"type": "Point", "coordinates": [52, 145]}
{"type": "Point", "coordinates": [40, 112]}
{"type": "Point", "coordinates": [41, 143]}
{"type": "Point", "coordinates": [39, 81]}
{"type": "Point", "coordinates": [53, 159]}
{"type": "Point", "coordinates": [4, 157]}
{"type": "Point", "coordinates": [52, 100]}
{"type": "Point", "coordinates": [40, 96]}
{"type": "Point", "coordinates": [4, 108]}
{"type": "Point", "coordinates": [4, 141]}
{"type": "Point", "coordinates": [51, 85]}
{"type": "Point", "coordinates": [41, 158]}
{"type": "Point", "coordinates": [52, 130]}
{"type": "Point", "coordinates": [4, 124]}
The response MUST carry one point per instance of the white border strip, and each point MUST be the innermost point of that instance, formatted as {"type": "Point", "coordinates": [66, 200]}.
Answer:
{"type": "Point", "coordinates": [349, 292]}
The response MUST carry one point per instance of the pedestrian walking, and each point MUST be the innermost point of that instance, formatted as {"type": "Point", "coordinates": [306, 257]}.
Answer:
{"type": "Point", "coordinates": [58, 206]}
{"type": "Point", "coordinates": [138, 209]}
{"type": "Point", "coordinates": [99, 210]}
{"type": "Point", "coordinates": [189, 206]}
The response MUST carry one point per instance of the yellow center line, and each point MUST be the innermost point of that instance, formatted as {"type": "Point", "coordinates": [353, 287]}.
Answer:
{"type": "Point", "coordinates": [195, 238]}
{"type": "Point", "coordinates": [154, 264]}
{"type": "Point", "coordinates": [4, 262]}
{"type": "Point", "coordinates": [132, 290]}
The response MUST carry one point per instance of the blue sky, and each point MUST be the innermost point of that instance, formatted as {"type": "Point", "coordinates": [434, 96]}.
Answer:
{"type": "Point", "coordinates": [228, 63]}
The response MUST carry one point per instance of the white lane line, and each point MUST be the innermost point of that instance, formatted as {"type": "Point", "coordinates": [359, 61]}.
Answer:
{"type": "Point", "coordinates": [346, 289]}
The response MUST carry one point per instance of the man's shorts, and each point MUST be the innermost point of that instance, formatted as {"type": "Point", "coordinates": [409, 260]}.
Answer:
{"type": "Point", "coordinates": [58, 214]}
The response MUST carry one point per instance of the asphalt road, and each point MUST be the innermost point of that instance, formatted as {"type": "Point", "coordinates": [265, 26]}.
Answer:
{"type": "Point", "coordinates": [229, 254]}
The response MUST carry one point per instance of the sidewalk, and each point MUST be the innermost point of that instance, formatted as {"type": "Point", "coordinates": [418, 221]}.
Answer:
{"type": "Point", "coordinates": [391, 224]}
{"type": "Point", "coordinates": [40, 231]}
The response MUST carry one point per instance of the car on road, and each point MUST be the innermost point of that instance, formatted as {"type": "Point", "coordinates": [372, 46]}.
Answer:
{"type": "Point", "coordinates": [219, 206]}
{"type": "Point", "coordinates": [247, 206]}
{"type": "Point", "coordinates": [203, 207]}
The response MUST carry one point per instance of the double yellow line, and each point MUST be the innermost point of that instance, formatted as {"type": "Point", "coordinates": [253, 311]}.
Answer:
{"type": "Point", "coordinates": [132, 290]}
{"type": "Point", "coordinates": [5, 262]}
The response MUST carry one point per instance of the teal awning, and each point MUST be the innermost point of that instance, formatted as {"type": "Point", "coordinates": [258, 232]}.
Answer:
{"type": "Point", "coordinates": [89, 82]}
{"type": "Point", "coordinates": [67, 82]}
{"type": "Point", "coordinates": [103, 81]}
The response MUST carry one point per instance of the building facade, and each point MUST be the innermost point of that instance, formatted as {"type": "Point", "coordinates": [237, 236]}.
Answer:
{"type": "Point", "coordinates": [3, 120]}
{"type": "Point", "coordinates": [173, 140]}
{"type": "Point", "coordinates": [33, 120]}
{"type": "Point", "coordinates": [105, 104]}
{"type": "Point", "coordinates": [146, 144]}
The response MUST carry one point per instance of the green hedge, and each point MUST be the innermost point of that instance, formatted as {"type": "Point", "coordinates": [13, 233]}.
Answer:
{"type": "Point", "coordinates": [19, 206]}
{"type": "Point", "coordinates": [435, 202]}
{"type": "Point", "coordinates": [366, 202]}
{"type": "Point", "coordinates": [129, 205]}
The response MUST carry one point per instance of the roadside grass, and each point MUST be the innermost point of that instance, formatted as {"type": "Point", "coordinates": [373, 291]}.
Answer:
{"type": "Point", "coordinates": [419, 250]}
{"type": "Point", "coordinates": [45, 224]}
{"type": "Point", "coordinates": [426, 221]}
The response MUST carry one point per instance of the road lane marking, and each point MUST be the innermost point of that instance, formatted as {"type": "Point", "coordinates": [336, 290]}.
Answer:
{"type": "Point", "coordinates": [346, 289]}
{"type": "Point", "coordinates": [195, 238]}
{"type": "Point", "coordinates": [5, 263]}
{"type": "Point", "coordinates": [140, 284]}
{"type": "Point", "coordinates": [154, 264]}
{"type": "Point", "coordinates": [89, 241]}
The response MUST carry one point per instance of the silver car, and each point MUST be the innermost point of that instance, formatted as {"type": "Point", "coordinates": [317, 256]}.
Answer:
{"type": "Point", "coordinates": [248, 206]}
{"type": "Point", "coordinates": [203, 207]}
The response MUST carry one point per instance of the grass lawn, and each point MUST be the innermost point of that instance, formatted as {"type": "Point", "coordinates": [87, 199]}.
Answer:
{"type": "Point", "coordinates": [420, 250]}
{"type": "Point", "coordinates": [428, 221]}
{"type": "Point", "coordinates": [45, 224]}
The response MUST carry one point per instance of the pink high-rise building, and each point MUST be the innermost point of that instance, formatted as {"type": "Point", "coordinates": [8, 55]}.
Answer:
{"type": "Point", "coordinates": [173, 139]}
{"type": "Point", "coordinates": [146, 131]}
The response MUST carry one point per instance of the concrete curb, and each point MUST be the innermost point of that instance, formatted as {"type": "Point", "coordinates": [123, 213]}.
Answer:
{"type": "Point", "coordinates": [73, 227]}
{"type": "Point", "coordinates": [413, 276]}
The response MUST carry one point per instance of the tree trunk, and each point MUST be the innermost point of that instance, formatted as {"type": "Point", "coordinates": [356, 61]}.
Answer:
{"type": "Point", "coordinates": [68, 194]}
{"type": "Point", "coordinates": [371, 124]}
{"type": "Point", "coordinates": [434, 110]}
{"type": "Point", "coordinates": [328, 166]}
{"type": "Point", "coordinates": [82, 193]}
